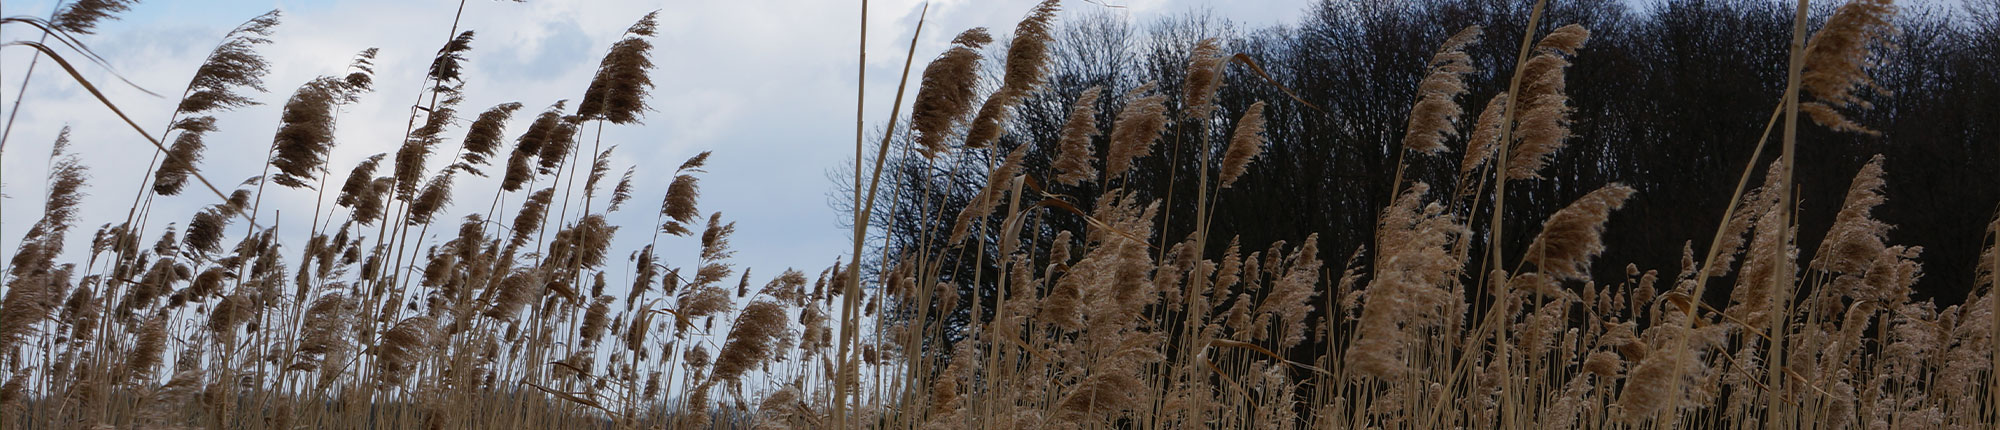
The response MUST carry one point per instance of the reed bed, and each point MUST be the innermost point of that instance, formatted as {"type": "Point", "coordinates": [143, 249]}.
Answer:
{"type": "Point", "coordinates": [511, 323]}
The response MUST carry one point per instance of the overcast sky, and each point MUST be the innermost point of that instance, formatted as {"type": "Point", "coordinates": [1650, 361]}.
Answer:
{"type": "Point", "coordinates": [769, 86]}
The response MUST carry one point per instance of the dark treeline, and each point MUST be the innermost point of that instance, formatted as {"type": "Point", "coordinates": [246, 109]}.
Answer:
{"type": "Point", "coordinates": [1670, 98]}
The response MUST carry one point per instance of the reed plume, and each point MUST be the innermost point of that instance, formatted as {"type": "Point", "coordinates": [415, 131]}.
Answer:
{"type": "Point", "coordinates": [1408, 294]}
{"type": "Point", "coordinates": [560, 140]}
{"type": "Point", "coordinates": [1133, 134]}
{"type": "Point", "coordinates": [1062, 307]}
{"type": "Point", "coordinates": [25, 304]}
{"type": "Point", "coordinates": [946, 406]}
{"type": "Point", "coordinates": [416, 150]}
{"type": "Point", "coordinates": [369, 205]}
{"type": "Point", "coordinates": [361, 72]}
{"type": "Point", "coordinates": [1855, 247]}
{"type": "Point", "coordinates": [1574, 235]}
{"type": "Point", "coordinates": [618, 92]}
{"type": "Point", "coordinates": [635, 336]}
{"type": "Point", "coordinates": [1204, 78]}
{"type": "Point", "coordinates": [1542, 124]}
{"type": "Point", "coordinates": [1604, 364]}
{"type": "Point", "coordinates": [305, 133]}
{"type": "Point", "coordinates": [1662, 382]}
{"type": "Point", "coordinates": [206, 284]}
{"type": "Point", "coordinates": [510, 295]}
{"type": "Point", "coordinates": [446, 66]}
{"type": "Point", "coordinates": [435, 196]}
{"type": "Point", "coordinates": [1027, 67]}
{"type": "Point", "coordinates": [530, 218]}
{"type": "Point", "coordinates": [646, 267]}
{"type": "Point", "coordinates": [35, 287]}
{"type": "Point", "coordinates": [234, 64]}
{"type": "Point", "coordinates": [1838, 61]}
{"type": "Point", "coordinates": [359, 181]}
{"type": "Point", "coordinates": [81, 16]}
{"type": "Point", "coordinates": [1757, 203]}
{"type": "Point", "coordinates": [13, 394]}
{"type": "Point", "coordinates": [945, 96]}
{"type": "Point", "coordinates": [226, 316]}
{"type": "Point", "coordinates": [482, 138]}
{"type": "Point", "coordinates": [595, 320]}
{"type": "Point", "coordinates": [1114, 385]}
{"type": "Point", "coordinates": [151, 343]}
{"type": "Point", "coordinates": [715, 243]}
{"type": "Point", "coordinates": [703, 296]}
{"type": "Point", "coordinates": [1116, 287]}
{"type": "Point", "coordinates": [1435, 116]}
{"type": "Point", "coordinates": [587, 240]}
{"type": "Point", "coordinates": [1244, 145]}
{"type": "Point", "coordinates": [239, 200]}
{"type": "Point", "coordinates": [1855, 238]}
{"type": "Point", "coordinates": [183, 156]}
{"type": "Point", "coordinates": [529, 145]}
{"type": "Point", "coordinates": [679, 205]}
{"type": "Point", "coordinates": [750, 340]}
{"type": "Point", "coordinates": [1757, 293]}
{"type": "Point", "coordinates": [1485, 139]}
{"type": "Point", "coordinates": [698, 301]}
{"type": "Point", "coordinates": [403, 347]}
{"type": "Point", "coordinates": [1075, 152]}
{"type": "Point", "coordinates": [599, 166]}
{"type": "Point", "coordinates": [1290, 297]}
{"type": "Point", "coordinates": [324, 333]}
{"type": "Point", "coordinates": [989, 196]}
{"type": "Point", "coordinates": [623, 191]}
{"type": "Point", "coordinates": [82, 311]}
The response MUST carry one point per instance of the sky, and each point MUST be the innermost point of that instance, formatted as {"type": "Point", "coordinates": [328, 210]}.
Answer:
{"type": "Point", "coordinates": [769, 86]}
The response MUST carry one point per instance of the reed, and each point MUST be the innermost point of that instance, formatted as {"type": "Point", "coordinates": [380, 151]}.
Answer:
{"type": "Point", "coordinates": [1082, 312]}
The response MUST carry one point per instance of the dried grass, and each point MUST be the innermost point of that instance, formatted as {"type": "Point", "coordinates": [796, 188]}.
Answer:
{"type": "Point", "coordinates": [511, 323]}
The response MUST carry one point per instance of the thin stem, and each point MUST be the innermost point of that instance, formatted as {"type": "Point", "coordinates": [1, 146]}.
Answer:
{"type": "Point", "coordinates": [848, 299]}
{"type": "Point", "coordinates": [1782, 276]}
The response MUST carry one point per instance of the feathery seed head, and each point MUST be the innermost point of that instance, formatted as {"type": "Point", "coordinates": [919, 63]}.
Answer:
{"type": "Point", "coordinates": [1244, 145]}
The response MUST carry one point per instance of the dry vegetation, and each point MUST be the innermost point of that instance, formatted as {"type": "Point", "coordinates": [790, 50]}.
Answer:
{"type": "Point", "coordinates": [511, 323]}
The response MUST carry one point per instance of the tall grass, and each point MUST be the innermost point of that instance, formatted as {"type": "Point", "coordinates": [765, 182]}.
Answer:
{"type": "Point", "coordinates": [511, 322]}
